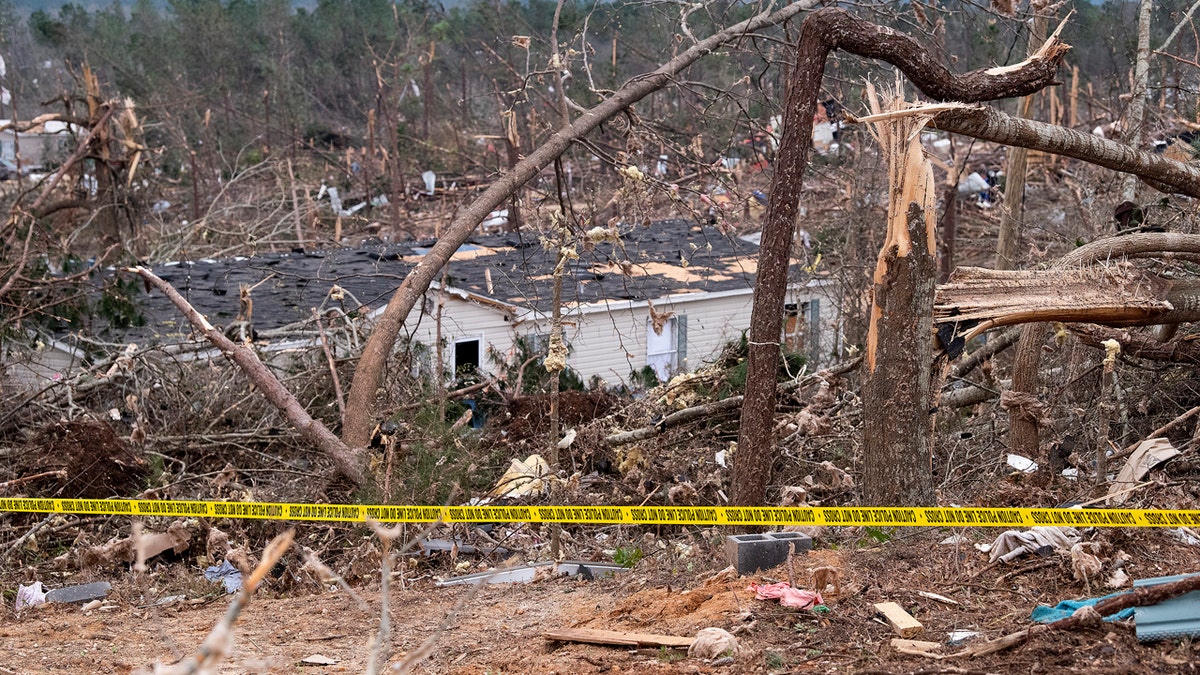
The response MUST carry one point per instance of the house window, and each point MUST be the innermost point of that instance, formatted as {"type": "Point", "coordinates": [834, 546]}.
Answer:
{"type": "Point", "coordinates": [666, 349]}
{"type": "Point", "coordinates": [467, 353]}
{"type": "Point", "coordinates": [801, 324]}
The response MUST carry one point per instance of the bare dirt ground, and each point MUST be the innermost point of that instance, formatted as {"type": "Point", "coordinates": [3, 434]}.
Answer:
{"type": "Point", "coordinates": [499, 629]}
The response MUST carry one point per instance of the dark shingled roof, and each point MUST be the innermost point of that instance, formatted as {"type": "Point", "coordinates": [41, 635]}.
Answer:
{"type": "Point", "coordinates": [654, 260]}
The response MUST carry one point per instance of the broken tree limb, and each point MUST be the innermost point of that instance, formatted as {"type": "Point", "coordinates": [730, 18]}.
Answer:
{"type": "Point", "coordinates": [1024, 432]}
{"type": "Point", "coordinates": [990, 124]}
{"type": "Point", "coordinates": [821, 33]}
{"type": "Point", "coordinates": [350, 462]}
{"type": "Point", "coordinates": [1139, 345]}
{"type": "Point", "coordinates": [961, 398]}
{"type": "Point", "coordinates": [992, 348]}
{"type": "Point", "coordinates": [1139, 597]}
{"type": "Point", "coordinates": [716, 407]}
{"type": "Point", "coordinates": [1115, 295]}
{"type": "Point", "coordinates": [361, 400]}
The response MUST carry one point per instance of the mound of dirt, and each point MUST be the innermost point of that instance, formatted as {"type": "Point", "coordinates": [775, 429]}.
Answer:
{"type": "Point", "coordinates": [529, 416]}
{"type": "Point", "coordinates": [91, 460]}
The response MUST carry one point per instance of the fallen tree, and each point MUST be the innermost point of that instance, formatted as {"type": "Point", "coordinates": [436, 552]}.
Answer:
{"type": "Point", "coordinates": [361, 403]}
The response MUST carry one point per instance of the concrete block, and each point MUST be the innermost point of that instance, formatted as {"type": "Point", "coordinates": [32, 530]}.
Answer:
{"type": "Point", "coordinates": [752, 552]}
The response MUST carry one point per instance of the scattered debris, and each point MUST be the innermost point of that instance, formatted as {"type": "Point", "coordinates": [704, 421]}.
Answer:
{"type": "Point", "coordinates": [1013, 544]}
{"type": "Point", "coordinates": [915, 647]}
{"type": "Point", "coordinates": [1147, 455]}
{"type": "Point", "coordinates": [1117, 579]}
{"type": "Point", "coordinates": [1064, 609]}
{"type": "Point", "coordinates": [94, 604]}
{"type": "Point", "coordinates": [530, 477]}
{"type": "Point", "coordinates": [619, 638]}
{"type": "Point", "coordinates": [1186, 535]}
{"type": "Point", "coordinates": [901, 621]}
{"type": "Point", "coordinates": [227, 574]}
{"type": "Point", "coordinates": [958, 637]}
{"type": "Point", "coordinates": [177, 538]}
{"type": "Point", "coordinates": [1085, 565]}
{"type": "Point", "coordinates": [1022, 464]}
{"type": "Point", "coordinates": [749, 553]}
{"type": "Point", "coordinates": [536, 572]}
{"type": "Point", "coordinates": [82, 593]}
{"type": "Point", "coordinates": [823, 577]}
{"type": "Point", "coordinates": [786, 595]}
{"type": "Point", "coordinates": [31, 595]}
{"type": "Point", "coordinates": [711, 643]}
{"type": "Point", "coordinates": [431, 546]}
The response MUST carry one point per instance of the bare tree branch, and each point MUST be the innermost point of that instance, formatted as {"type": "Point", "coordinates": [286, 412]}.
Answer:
{"type": "Point", "coordinates": [349, 461]}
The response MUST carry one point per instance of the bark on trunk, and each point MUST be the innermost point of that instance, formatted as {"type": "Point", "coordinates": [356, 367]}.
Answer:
{"type": "Point", "coordinates": [897, 399]}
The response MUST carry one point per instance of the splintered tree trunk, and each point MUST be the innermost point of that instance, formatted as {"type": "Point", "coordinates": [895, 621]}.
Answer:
{"type": "Point", "coordinates": [897, 465]}
{"type": "Point", "coordinates": [896, 455]}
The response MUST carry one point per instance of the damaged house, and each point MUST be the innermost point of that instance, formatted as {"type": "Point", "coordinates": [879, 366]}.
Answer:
{"type": "Point", "coordinates": [660, 297]}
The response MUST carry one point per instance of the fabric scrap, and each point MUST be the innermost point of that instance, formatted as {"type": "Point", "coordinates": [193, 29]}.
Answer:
{"type": "Point", "coordinates": [786, 595]}
{"type": "Point", "coordinates": [227, 574]}
{"type": "Point", "coordinates": [1014, 543]}
{"type": "Point", "coordinates": [1064, 609]}
{"type": "Point", "coordinates": [28, 596]}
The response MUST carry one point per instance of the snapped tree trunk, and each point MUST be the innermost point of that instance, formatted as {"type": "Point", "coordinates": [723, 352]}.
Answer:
{"type": "Point", "coordinates": [898, 362]}
{"type": "Point", "coordinates": [822, 32]}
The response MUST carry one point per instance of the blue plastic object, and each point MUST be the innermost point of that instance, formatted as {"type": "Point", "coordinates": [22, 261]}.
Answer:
{"type": "Point", "coordinates": [1044, 614]}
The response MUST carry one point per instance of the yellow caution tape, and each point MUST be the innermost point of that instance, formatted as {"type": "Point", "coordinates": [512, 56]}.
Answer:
{"type": "Point", "coordinates": [632, 515]}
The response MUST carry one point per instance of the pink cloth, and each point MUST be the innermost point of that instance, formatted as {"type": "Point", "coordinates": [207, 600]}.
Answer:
{"type": "Point", "coordinates": [787, 596]}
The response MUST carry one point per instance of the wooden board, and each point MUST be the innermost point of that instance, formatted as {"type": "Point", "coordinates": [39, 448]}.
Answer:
{"type": "Point", "coordinates": [900, 620]}
{"type": "Point", "coordinates": [917, 645]}
{"type": "Point", "coordinates": [618, 638]}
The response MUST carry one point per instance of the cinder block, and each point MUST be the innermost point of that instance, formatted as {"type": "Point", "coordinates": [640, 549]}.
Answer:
{"type": "Point", "coordinates": [752, 552]}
